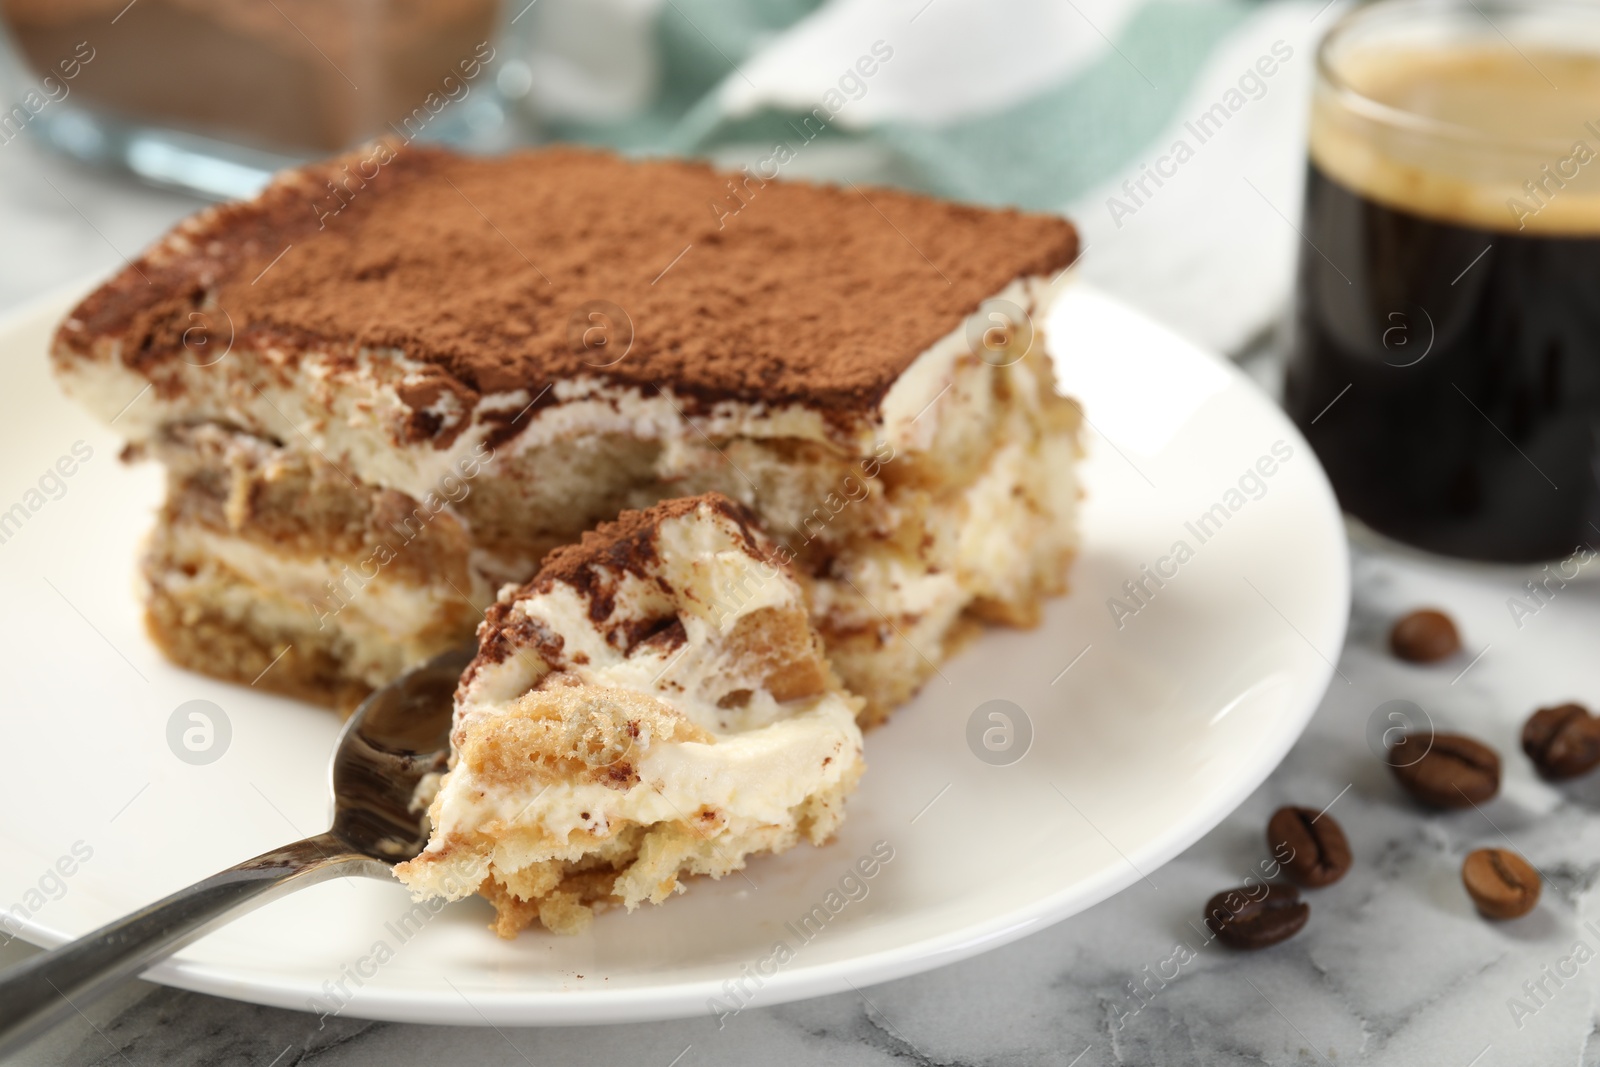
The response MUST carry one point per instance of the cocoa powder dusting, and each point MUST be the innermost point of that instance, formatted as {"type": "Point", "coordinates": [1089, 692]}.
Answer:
{"type": "Point", "coordinates": [483, 268]}
{"type": "Point", "coordinates": [595, 566]}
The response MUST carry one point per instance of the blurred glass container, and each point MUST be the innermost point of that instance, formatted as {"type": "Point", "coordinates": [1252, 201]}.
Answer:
{"type": "Point", "coordinates": [214, 95]}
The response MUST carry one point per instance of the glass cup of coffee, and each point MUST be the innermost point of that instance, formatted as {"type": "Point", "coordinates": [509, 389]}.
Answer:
{"type": "Point", "coordinates": [1446, 343]}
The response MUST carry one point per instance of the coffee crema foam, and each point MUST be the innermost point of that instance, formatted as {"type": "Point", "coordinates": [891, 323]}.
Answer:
{"type": "Point", "coordinates": [1502, 140]}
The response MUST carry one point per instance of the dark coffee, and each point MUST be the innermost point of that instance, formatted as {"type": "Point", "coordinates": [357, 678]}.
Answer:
{"type": "Point", "coordinates": [1446, 362]}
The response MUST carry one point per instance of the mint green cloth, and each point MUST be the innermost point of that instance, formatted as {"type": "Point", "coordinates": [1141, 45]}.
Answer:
{"type": "Point", "coordinates": [1039, 152]}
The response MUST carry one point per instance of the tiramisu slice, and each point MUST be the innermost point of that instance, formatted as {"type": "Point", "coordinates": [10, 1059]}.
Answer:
{"type": "Point", "coordinates": [396, 380]}
{"type": "Point", "coordinates": [653, 704]}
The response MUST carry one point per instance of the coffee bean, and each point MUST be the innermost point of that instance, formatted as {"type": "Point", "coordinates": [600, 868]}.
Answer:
{"type": "Point", "coordinates": [1275, 913]}
{"type": "Point", "coordinates": [1425, 636]}
{"type": "Point", "coordinates": [1501, 883]}
{"type": "Point", "coordinates": [1310, 846]}
{"type": "Point", "coordinates": [1562, 741]}
{"type": "Point", "coordinates": [1445, 770]}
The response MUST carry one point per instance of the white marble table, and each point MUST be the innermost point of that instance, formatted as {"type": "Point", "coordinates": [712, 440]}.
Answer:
{"type": "Point", "coordinates": [1394, 968]}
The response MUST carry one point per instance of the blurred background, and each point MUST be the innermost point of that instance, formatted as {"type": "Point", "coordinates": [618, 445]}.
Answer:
{"type": "Point", "coordinates": [123, 117]}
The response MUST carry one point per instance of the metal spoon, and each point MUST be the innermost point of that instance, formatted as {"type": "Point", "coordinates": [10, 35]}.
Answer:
{"type": "Point", "coordinates": [400, 733]}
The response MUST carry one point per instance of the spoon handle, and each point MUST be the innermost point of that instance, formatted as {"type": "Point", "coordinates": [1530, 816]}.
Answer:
{"type": "Point", "coordinates": [49, 987]}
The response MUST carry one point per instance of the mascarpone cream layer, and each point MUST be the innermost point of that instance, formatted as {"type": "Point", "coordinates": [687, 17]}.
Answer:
{"type": "Point", "coordinates": [351, 411]}
{"type": "Point", "coordinates": [383, 624]}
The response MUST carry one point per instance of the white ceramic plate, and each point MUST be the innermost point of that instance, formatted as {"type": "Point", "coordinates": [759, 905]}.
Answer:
{"type": "Point", "coordinates": [1144, 734]}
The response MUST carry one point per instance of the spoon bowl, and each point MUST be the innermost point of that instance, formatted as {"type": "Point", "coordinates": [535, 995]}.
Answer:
{"type": "Point", "coordinates": [398, 735]}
